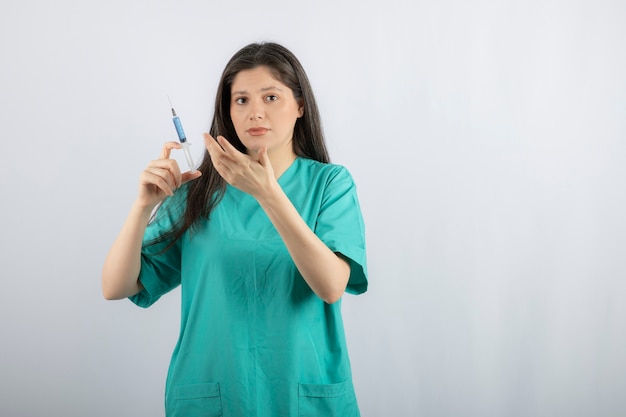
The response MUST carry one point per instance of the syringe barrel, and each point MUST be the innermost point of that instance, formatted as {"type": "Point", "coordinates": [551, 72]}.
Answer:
{"type": "Point", "coordinates": [179, 129]}
{"type": "Point", "coordinates": [188, 156]}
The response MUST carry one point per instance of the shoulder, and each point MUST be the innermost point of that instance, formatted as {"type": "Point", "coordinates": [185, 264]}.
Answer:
{"type": "Point", "coordinates": [326, 172]}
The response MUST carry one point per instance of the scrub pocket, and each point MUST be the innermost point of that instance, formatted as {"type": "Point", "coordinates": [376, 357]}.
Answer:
{"type": "Point", "coordinates": [328, 400]}
{"type": "Point", "coordinates": [195, 400]}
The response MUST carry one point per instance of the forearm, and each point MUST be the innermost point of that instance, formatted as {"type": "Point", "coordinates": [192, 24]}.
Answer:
{"type": "Point", "coordinates": [326, 273]}
{"type": "Point", "coordinates": [121, 268]}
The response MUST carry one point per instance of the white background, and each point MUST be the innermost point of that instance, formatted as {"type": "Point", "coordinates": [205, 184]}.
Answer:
{"type": "Point", "coordinates": [487, 140]}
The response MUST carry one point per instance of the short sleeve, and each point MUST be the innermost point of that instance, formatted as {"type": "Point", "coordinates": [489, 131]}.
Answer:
{"type": "Point", "coordinates": [160, 265]}
{"type": "Point", "coordinates": [340, 226]}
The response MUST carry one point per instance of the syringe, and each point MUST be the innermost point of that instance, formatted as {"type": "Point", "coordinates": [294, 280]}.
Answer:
{"type": "Point", "coordinates": [181, 137]}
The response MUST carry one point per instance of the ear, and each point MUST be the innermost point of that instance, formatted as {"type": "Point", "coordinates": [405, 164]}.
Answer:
{"type": "Point", "coordinates": [300, 108]}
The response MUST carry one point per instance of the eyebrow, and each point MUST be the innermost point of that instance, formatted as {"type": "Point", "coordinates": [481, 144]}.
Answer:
{"type": "Point", "coordinates": [262, 90]}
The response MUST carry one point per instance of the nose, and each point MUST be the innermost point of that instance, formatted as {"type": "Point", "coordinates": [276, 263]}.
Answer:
{"type": "Point", "coordinates": [256, 111]}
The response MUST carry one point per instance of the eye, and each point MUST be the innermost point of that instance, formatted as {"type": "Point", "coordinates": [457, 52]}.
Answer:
{"type": "Point", "coordinates": [271, 97]}
{"type": "Point", "coordinates": [241, 100]}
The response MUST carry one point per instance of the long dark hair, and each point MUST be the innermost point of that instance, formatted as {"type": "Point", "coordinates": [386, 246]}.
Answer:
{"type": "Point", "coordinates": [308, 138]}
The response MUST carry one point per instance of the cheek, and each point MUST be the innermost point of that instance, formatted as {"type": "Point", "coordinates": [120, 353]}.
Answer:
{"type": "Point", "coordinates": [236, 119]}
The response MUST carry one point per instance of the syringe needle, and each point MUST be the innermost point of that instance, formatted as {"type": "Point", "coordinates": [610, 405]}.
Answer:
{"type": "Point", "coordinates": [171, 106]}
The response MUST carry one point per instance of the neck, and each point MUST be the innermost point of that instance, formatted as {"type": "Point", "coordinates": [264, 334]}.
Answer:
{"type": "Point", "coordinates": [280, 158]}
{"type": "Point", "coordinates": [281, 163]}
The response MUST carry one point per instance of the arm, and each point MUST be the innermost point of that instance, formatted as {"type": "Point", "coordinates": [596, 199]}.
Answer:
{"type": "Point", "coordinates": [120, 273]}
{"type": "Point", "coordinates": [324, 271]}
{"type": "Point", "coordinates": [121, 268]}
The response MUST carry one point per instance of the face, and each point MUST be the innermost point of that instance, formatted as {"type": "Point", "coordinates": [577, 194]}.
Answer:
{"type": "Point", "coordinates": [264, 112]}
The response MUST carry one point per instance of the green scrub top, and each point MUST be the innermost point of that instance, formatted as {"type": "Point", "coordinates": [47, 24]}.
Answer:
{"type": "Point", "coordinates": [254, 338]}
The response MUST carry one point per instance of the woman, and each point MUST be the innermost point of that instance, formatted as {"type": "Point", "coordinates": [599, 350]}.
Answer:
{"type": "Point", "coordinates": [264, 239]}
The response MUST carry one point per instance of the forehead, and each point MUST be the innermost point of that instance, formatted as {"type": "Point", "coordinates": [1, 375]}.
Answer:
{"type": "Point", "coordinates": [255, 79]}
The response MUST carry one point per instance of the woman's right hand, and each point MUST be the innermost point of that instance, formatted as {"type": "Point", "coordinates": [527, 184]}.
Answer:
{"type": "Point", "coordinates": [123, 263]}
{"type": "Point", "coordinates": [161, 178]}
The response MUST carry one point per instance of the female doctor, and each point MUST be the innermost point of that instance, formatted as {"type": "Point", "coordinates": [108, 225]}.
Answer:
{"type": "Point", "coordinates": [264, 239]}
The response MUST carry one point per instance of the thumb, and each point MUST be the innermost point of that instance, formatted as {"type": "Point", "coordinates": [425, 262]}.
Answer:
{"type": "Point", "coordinates": [264, 159]}
{"type": "Point", "coordinates": [189, 176]}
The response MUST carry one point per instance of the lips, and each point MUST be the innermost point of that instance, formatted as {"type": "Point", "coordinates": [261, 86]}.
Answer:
{"type": "Point", "coordinates": [258, 131]}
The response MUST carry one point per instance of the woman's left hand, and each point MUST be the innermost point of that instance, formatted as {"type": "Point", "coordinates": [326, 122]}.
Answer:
{"type": "Point", "coordinates": [324, 271]}
{"type": "Point", "coordinates": [252, 176]}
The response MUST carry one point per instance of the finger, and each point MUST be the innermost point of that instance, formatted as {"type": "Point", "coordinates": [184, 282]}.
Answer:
{"type": "Point", "coordinates": [219, 158]}
{"type": "Point", "coordinates": [169, 166]}
{"type": "Point", "coordinates": [167, 149]}
{"type": "Point", "coordinates": [228, 147]}
{"type": "Point", "coordinates": [211, 144]}
{"type": "Point", "coordinates": [165, 173]}
{"type": "Point", "coordinates": [214, 150]}
{"type": "Point", "coordinates": [220, 146]}
{"type": "Point", "coordinates": [264, 160]}
{"type": "Point", "coordinates": [190, 176]}
{"type": "Point", "coordinates": [263, 157]}
{"type": "Point", "coordinates": [158, 179]}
